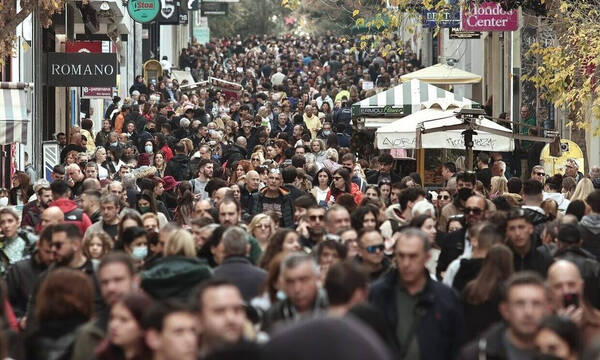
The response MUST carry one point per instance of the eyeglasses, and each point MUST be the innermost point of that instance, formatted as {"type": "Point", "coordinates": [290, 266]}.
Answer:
{"type": "Point", "coordinates": [316, 217]}
{"type": "Point", "coordinates": [374, 248]}
{"type": "Point", "coordinates": [475, 211]}
{"type": "Point", "coordinates": [540, 174]}
{"type": "Point", "coordinates": [255, 159]}
{"type": "Point", "coordinates": [444, 197]}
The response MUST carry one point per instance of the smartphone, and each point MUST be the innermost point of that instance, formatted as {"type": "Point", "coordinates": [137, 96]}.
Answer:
{"type": "Point", "coordinates": [571, 299]}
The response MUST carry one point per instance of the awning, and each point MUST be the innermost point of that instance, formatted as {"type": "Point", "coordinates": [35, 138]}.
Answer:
{"type": "Point", "coordinates": [401, 134]}
{"type": "Point", "coordinates": [181, 75]}
{"type": "Point", "coordinates": [442, 74]}
{"type": "Point", "coordinates": [403, 100]}
{"type": "Point", "coordinates": [14, 114]}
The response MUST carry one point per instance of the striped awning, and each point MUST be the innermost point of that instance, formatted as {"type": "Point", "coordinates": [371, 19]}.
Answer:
{"type": "Point", "coordinates": [14, 114]}
{"type": "Point", "coordinates": [406, 99]}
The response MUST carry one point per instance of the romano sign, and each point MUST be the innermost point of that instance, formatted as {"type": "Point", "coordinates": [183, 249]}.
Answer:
{"type": "Point", "coordinates": [68, 69]}
{"type": "Point", "coordinates": [489, 16]}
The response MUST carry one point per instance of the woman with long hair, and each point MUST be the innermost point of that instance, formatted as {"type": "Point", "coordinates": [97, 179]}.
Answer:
{"type": "Point", "coordinates": [261, 227]}
{"type": "Point", "coordinates": [125, 340]}
{"type": "Point", "coordinates": [481, 295]}
{"type": "Point", "coordinates": [321, 183]}
{"type": "Point", "coordinates": [282, 241]}
{"type": "Point", "coordinates": [101, 159]}
{"type": "Point", "coordinates": [372, 192]}
{"type": "Point", "coordinates": [342, 184]}
{"type": "Point", "coordinates": [239, 169]}
{"type": "Point", "coordinates": [280, 147]}
{"type": "Point", "coordinates": [499, 186]}
{"type": "Point", "coordinates": [427, 224]}
{"type": "Point", "coordinates": [65, 302]}
{"type": "Point", "coordinates": [21, 189]}
{"type": "Point", "coordinates": [159, 162]}
{"type": "Point", "coordinates": [317, 147]}
{"type": "Point", "coordinates": [162, 146]}
{"type": "Point", "coordinates": [558, 337]}
{"type": "Point", "coordinates": [365, 217]}
{"type": "Point", "coordinates": [128, 219]}
{"type": "Point", "coordinates": [185, 204]}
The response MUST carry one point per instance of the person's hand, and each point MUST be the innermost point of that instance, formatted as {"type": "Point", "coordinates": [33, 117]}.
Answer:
{"type": "Point", "coordinates": [23, 323]}
{"type": "Point", "coordinates": [575, 313]}
{"type": "Point", "coordinates": [302, 229]}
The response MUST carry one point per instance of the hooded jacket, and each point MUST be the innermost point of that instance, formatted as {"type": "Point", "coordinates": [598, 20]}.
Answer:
{"type": "Point", "coordinates": [73, 214]}
{"type": "Point", "coordinates": [236, 153]}
{"type": "Point", "coordinates": [590, 233]}
{"type": "Point", "coordinates": [284, 199]}
{"type": "Point", "coordinates": [174, 276]}
{"type": "Point", "coordinates": [178, 167]}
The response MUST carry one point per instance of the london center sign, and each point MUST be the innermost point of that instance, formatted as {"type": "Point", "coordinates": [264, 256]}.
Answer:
{"type": "Point", "coordinates": [81, 69]}
{"type": "Point", "coordinates": [489, 16]}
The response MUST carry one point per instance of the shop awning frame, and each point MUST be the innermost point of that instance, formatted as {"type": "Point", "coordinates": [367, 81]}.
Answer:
{"type": "Point", "coordinates": [15, 112]}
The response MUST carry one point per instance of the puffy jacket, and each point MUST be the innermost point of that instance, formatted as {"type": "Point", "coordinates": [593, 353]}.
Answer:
{"type": "Point", "coordinates": [174, 277]}
{"type": "Point", "coordinates": [440, 323]}
{"type": "Point", "coordinates": [73, 214]}
{"type": "Point", "coordinates": [178, 167]}
{"type": "Point", "coordinates": [284, 199]}
{"type": "Point", "coordinates": [354, 191]}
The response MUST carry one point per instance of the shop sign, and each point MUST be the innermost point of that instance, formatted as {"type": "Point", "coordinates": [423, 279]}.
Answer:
{"type": "Point", "coordinates": [81, 69]}
{"type": "Point", "coordinates": [460, 34]}
{"type": "Point", "coordinates": [447, 19]}
{"type": "Point", "coordinates": [96, 92]}
{"type": "Point", "coordinates": [143, 11]}
{"type": "Point", "coordinates": [489, 16]}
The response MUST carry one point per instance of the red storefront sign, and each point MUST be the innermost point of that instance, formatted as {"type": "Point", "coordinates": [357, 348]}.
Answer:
{"type": "Point", "coordinates": [489, 16]}
{"type": "Point", "coordinates": [97, 92]}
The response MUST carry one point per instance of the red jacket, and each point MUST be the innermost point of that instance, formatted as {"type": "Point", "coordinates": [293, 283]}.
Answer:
{"type": "Point", "coordinates": [73, 214]}
{"type": "Point", "coordinates": [354, 191]}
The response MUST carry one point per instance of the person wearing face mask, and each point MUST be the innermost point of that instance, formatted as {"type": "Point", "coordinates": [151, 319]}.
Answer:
{"type": "Point", "coordinates": [147, 204]}
{"type": "Point", "coordinates": [135, 243]}
{"type": "Point", "coordinates": [325, 131]}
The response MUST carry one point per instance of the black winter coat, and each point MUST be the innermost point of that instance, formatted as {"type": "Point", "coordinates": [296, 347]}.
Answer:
{"type": "Point", "coordinates": [178, 167]}
{"type": "Point", "coordinates": [20, 280]}
{"type": "Point", "coordinates": [440, 324]}
{"type": "Point", "coordinates": [453, 245]}
{"type": "Point", "coordinates": [247, 277]}
{"type": "Point", "coordinates": [287, 206]}
{"type": "Point", "coordinates": [534, 260]}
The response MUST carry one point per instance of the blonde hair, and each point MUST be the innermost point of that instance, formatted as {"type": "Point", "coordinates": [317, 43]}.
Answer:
{"type": "Point", "coordinates": [499, 185]}
{"type": "Point", "coordinates": [583, 189]}
{"type": "Point", "coordinates": [150, 215]}
{"type": "Point", "coordinates": [331, 154]}
{"type": "Point", "coordinates": [180, 243]}
{"type": "Point", "coordinates": [258, 218]}
{"type": "Point", "coordinates": [107, 243]}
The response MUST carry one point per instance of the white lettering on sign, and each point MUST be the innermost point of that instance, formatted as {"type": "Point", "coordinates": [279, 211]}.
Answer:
{"type": "Point", "coordinates": [83, 70]}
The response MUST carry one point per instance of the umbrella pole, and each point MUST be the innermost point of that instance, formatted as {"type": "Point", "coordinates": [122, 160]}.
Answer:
{"type": "Point", "coordinates": [468, 134]}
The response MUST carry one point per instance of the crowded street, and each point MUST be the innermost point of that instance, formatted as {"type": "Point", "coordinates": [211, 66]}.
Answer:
{"type": "Point", "coordinates": [293, 195]}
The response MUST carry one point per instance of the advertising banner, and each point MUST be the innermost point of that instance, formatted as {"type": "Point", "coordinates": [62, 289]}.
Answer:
{"type": "Point", "coordinates": [96, 92]}
{"type": "Point", "coordinates": [489, 16]}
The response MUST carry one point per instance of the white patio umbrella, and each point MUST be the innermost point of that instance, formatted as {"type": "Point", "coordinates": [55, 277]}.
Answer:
{"type": "Point", "coordinates": [402, 134]}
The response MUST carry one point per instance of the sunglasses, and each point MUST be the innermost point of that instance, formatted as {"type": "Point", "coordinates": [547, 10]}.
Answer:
{"type": "Point", "coordinates": [540, 174]}
{"type": "Point", "coordinates": [316, 217]}
{"type": "Point", "coordinates": [255, 159]}
{"type": "Point", "coordinates": [444, 197]}
{"type": "Point", "coordinates": [475, 211]}
{"type": "Point", "coordinates": [375, 248]}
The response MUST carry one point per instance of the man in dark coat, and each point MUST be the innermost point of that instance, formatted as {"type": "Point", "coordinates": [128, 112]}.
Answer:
{"type": "Point", "coordinates": [590, 225]}
{"type": "Point", "coordinates": [426, 316]}
{"type": "Point", "coordinates": [385, 172]}
{"type": "Point", "coordinates": [178, 167]}
{"type": "Point", "coordinates": [236, 267]}
{"type": "Point", "coordinates": [519, 235]}
{"type": "Point", "coordinates": [273, 197]}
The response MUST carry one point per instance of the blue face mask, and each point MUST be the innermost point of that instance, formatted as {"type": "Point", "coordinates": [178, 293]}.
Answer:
{"type": "Point", "coordinates": [114, 144]}
{"type": "Point", "coordinates": [148, 149]}
{"type": "Point", "coordinates": [139, 252]}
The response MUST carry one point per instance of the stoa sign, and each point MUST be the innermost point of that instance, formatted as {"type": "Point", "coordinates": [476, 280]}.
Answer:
{"type": "Point", "coordinates": [489, 16]}
{"type": "Point", "coordinates": [143, 11]}
{"type": "Point", "coordinates": [81, 69]}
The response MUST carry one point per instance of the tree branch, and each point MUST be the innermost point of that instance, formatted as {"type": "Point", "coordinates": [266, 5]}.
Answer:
{"type": "Point", "coordinates": [11, 25]}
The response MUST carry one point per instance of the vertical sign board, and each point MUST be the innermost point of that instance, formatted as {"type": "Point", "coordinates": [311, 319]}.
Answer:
{"type": "Point", "coordinates": [51, 157]}
{"type": "Point", "coordinates": [169, 12]}
{"type": "Point", "coordinates": [489, 16]}
{"type": "Point", "coordinates": [201, 30]}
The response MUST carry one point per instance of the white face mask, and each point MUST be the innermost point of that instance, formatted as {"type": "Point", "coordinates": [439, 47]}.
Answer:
{"type": "Point", "coordinates": [3, 201]}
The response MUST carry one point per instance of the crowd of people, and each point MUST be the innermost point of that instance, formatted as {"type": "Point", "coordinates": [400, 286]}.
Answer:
{"type": "Point", "coordinates": [200, 224]}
